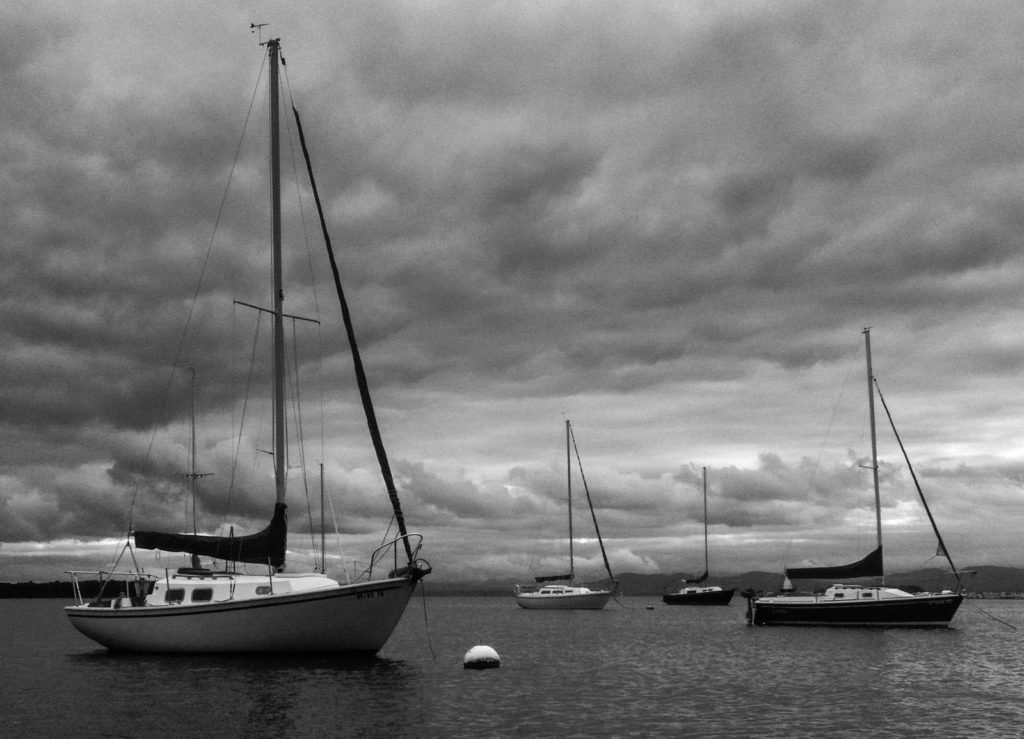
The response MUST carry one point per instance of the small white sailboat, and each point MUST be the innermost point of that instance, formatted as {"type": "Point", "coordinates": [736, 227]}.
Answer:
{"type": "Point", "coordinates": [694, 592]}
{"type": "Point", "coordinates": [854, 604]}
{"type": "Point", "coordinates": [201, 609]}
{"type": "Point", "coordinates": [562, 592]}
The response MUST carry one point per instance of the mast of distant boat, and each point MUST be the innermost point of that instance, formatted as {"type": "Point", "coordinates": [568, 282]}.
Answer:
{"type": "Point", "coordinates": [192, 453]}
{"type": "Point", "coordinates": [568, 487]}
{"type": "Point", "coordinates": [192, 475]}
{"type": "Point", "coordinates": [323, 525]}
{"type": "Point", "coordinates": [705, 471]}
{"type": "Point", "coordinates": [874, 445]}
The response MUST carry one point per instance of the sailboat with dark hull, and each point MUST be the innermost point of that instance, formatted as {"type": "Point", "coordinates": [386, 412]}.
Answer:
{"type": "Point", "coordinates": [852, 604]}
{"type": "Point", "coordinates": [201, 609]}
{"type": "Point", "coordinates": [562, 592]}
{"type": "Point", "coordinates": [694, 592]}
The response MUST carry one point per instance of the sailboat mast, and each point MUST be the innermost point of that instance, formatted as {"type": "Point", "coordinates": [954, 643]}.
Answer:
{"type": "Point", "coordinates": [568, 487]}
{"type": "Point", "coordinates": [280, 463]}
{"type": "Point", "coordinates": [323, 525]}
{"type": "Point", "coordinates": [705, 470]}
{"type": "Point", "coordinates": [192, 453]}
{"type": "Point", "coordinates": [874, 443]}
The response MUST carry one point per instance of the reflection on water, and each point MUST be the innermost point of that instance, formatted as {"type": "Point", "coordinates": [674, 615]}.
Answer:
{"type": "Point", "coordinates": [251, 695]}
{"type": "Point", "coordinates": [669, 671]}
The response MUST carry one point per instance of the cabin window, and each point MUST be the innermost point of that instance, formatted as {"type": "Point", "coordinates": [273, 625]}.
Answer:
{"type": "Point", "coordinates": [263, 590]}
{"type": "Point", "coordinates": [865, 595]}
{"type": "Point", "coordinates": [202, 594]}
{"type": "Point", "coordinates": [174, 595]}
{"type": "Point", "coordinates": [840, 595]}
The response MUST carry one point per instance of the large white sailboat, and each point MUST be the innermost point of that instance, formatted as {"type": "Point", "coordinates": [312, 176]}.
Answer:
{"type": "Point", "coordinates": [201, 608]}
{"type": "Point", "coordinates": [562, 592]}
{"type": "Point", "coordinates": [846, 604]}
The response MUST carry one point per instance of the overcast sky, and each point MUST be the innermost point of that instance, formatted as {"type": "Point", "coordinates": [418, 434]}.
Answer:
{"type": "Point", "coordinates": [666, 221]}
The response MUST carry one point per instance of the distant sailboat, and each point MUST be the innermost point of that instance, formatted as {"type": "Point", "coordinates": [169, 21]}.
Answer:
{"type": "Point", "coordinates": [199, 609]}
{"type": "Point", "coordinates": [562, 592]}
{"type": "Point", "coordinates": [856, 605]}
{"type": "Point", "coordinates": [694, 592]}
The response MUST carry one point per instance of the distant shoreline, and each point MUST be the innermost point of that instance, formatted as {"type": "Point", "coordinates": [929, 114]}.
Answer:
{"type": "Point", "coordinates": [990, 582]}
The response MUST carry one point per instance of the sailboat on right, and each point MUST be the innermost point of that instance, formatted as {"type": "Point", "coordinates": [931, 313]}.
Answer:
{"type": "Point", "coordinates": [856, 605]}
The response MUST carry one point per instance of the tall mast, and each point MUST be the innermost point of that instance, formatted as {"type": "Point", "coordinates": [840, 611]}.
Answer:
{"type": "Point", "coordinates": [874, 444]}
{"type": "Point", "coordinates": [705, 470]}
{"type": "Point", "coordinates": [280, 462]}
{"type": "Point", "coordinates": [192, 476]}
{"type": "Point", "coordinates": [568, 487]}
{"type": "Point", "coordinates": [192, 453]}
{"type": "Point", "coordinates": [323, 525]}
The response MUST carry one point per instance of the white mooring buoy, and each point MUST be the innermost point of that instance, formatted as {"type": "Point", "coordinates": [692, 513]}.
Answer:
{"type": "Point", "coordinates": [481, 658]}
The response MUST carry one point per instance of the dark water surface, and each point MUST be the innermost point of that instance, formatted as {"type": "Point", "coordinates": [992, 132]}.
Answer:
{"type": "Point", "coordinates": [623, 671]}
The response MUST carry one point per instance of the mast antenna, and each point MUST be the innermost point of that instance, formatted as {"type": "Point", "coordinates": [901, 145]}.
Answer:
{"type": "Point", "coordinates": [257, 28]}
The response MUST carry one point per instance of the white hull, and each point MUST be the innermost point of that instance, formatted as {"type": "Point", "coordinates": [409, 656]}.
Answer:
{"type": "Point", "coordinates": [196, 610]}
{"type": "Point", "coordinates": [568, 597]}
{"type": "Point", "coordinates": [563, 598]}
{"type": "Point", "coordinates": [338, 618]}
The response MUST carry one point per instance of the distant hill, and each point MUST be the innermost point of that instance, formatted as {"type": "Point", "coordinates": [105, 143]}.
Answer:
{"type": "Point", "coordinates": [991, 579]}
{"type": "Point", "coordinates": [55, 589]}
{"type": "Point", "coordinates": [987, 579]}
{"type": "Point", "coordinates": [982, 580]}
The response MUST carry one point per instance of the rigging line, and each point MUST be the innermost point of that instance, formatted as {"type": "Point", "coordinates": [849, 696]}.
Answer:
{"type": "Point", "coordinates": [383, 540]}
{"type": "Point", "coordinates": [105, 581]}
{"type": "Point", "coordinates": [337, 535]}
{"type": "Point", "coordinates": [835, 408]}
{"type": "Point", "coordinates": [118, 553]}
{"type": "Point", "coordinates": [299, 199]}
{"type": "Point", "coordinates": [924, 502]}
{"type": "Point", "coordinates": [590, 503]}
{"type": "Point", "coordinates": [816, 469]}
{"type": "Point", "coordinates": [426, 623]}
{"type": "Point", "coordinates": [357, 361]}
{"type": "Point", "coordinates": [309, 263]}
{"type": "Point", "coordinates": [241, 420]}
{"type": "Point", "coordinates": [199, 283]}
{"type": "Point", "coordinates": [300, 433]}
{"type": "Point", "coordinates": [992, 615]}
{"type": "Point", "coordinates": [302, 218]}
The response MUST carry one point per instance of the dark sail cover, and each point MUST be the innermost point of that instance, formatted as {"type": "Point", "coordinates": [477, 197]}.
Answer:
{"type": "Point", "coordinates": [552, 578]}
{"type": "Point", "coordinates": [870, 566]}
{"type": "Point", "coordinates": [263, 547]}
{"type": "Point", "coordinates": [698, 580]}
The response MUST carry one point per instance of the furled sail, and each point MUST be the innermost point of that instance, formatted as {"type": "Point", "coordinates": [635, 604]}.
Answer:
{"type": "Point", "coordinates": [263, 547]}
{"type": "Point", "coordinates": [870, 566]}
{"type": "Point", "coordinates": [697, 580]}
{"type": "Point", "coordinates": [552, 578]}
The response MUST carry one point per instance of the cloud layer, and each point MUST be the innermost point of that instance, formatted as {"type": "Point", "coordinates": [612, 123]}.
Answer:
{"type": "Point", "coordinates": [667, 222]}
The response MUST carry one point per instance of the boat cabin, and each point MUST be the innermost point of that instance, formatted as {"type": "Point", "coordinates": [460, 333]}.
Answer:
{"type": "Point", "coordinates": [859, 592]}
{"type": "Point", "coordinates": [561, 590]}
{"type": "Point", "coordinates": [693, 590]}
{"type": "Point", "coordinates": [181, 588]}
{"type": "Point", "coordinates": [195, 587]}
